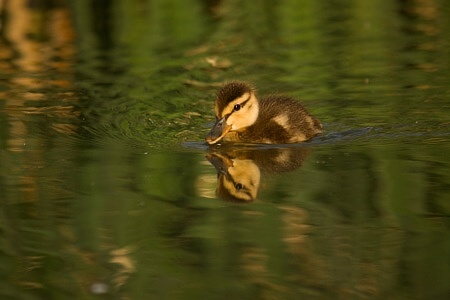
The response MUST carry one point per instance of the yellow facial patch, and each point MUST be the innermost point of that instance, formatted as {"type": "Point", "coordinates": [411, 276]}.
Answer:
{"type": "Point", "coordinates": [230, 107]}
{"type": "Point", "coordinates": [247, 175]}
{"type": "Point", "coordinates": [247, 113]}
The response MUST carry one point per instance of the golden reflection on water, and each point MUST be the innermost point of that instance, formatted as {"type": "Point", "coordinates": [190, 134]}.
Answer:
{"type": "Point", "coordinates": [40, 43]}
{"type": "Point", "coordinates": [37, 53]}
{"type": "Point", "coordinates": [425, 15]}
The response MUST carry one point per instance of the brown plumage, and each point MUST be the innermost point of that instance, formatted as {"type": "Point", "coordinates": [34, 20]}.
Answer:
{"type": "Point", "coordinates": [275, 119]}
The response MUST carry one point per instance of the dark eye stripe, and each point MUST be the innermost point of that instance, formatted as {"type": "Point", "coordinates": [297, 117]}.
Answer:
{"type": "Point", "coordinates": [243, 103]}
{"type": "Point", "coordinates": [242, 187]}
{"type": "Point", "coordinates": [240, 105]}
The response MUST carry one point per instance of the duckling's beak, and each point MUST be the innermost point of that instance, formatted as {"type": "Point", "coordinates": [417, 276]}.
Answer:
{"type": "Point", "coordinates": [221, 163]}
{"type": "Point", "coordinates": [220, 129]}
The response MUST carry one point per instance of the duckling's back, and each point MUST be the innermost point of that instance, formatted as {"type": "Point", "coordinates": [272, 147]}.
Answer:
{"type": "Point", "coordinates": [281, 120]}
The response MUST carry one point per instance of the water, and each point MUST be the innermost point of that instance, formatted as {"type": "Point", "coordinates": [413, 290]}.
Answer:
{"type": "Point", "coordinates": [108, 190]}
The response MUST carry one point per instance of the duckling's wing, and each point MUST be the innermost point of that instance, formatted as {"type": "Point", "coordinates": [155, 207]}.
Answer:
{"type": "Point", "coordinates": [288, 118]}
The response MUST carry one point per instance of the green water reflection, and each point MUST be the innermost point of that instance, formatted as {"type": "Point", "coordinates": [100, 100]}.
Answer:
{"type": "Point", "coordinates": [108, 191]}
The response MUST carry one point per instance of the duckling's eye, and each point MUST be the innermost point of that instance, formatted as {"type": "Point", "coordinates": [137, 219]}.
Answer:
{"type": "Point", "coordinates": [237, 107]}
{"type": "Point", "coordinates": [238, 186]}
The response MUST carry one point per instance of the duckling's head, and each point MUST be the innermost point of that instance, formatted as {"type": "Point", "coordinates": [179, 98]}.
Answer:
{"type": "Point", "coordinates": [236, 108]}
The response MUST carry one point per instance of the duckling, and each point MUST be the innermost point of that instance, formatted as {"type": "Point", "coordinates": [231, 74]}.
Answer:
{"type": "Point", "coordinates": [275, 119]}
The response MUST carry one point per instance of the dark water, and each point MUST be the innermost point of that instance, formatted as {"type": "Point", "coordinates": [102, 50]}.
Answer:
{"type": "Point", "coordinates": [108, 191]}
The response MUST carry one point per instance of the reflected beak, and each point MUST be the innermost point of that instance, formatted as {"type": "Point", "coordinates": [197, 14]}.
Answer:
{"type": "Point", "coordinates": [220, 129]}
{"type": "Point", "coordinates": [218, 163]}
{"type": "Point", "coordinates": [221, 163]}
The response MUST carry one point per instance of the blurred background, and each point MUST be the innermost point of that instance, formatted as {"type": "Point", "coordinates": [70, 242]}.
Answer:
{"type": "Point", "coordinates": [106, 190]}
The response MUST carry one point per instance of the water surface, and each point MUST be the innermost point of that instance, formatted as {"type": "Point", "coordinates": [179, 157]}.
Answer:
{"type": "Point", "coordinates": [108, 190]}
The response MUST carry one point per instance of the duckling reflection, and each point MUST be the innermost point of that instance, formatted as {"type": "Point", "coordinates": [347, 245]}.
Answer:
{"type": "Point", "coordinates": [238, 179]}
{"type": "Point", "coordinates": [239, 171]}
